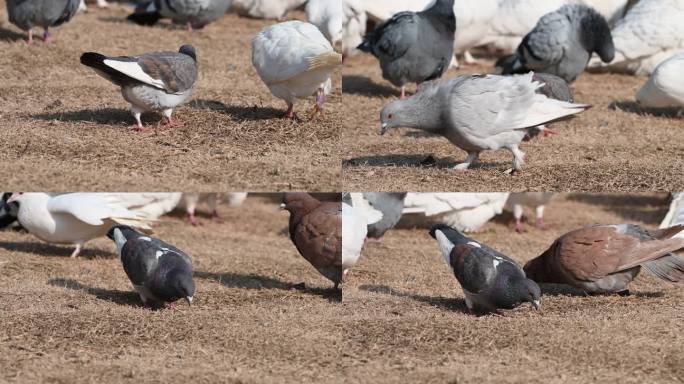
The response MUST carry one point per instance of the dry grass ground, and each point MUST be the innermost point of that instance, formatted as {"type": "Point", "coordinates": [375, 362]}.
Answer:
{"type": "Point", "coordinates": [408, 320]}
{"type": "Point", "coordinates": [611, 147]}
{"type": "Point", "coordinates": [66, 320]}
{"type": "Point", "coordinates": [66, 128]}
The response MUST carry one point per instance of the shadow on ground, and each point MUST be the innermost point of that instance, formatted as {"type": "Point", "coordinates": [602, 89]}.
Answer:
{"type": "Point", "coordinates": [362, 85]}
{"type": "Point", "coordinates": [50, 250]}
{"type": "Point", "coordinates": [634, 107]}
{"type": "Point", "coordinates": [630, 207]}
{"type": "Point", "coordinates": [449, 303]}
{"type": "Point", "coordinates": [256, 281]}
{"type": "Point", "coordinates": [417, 161]}
{"type": "Point", "coordinates": [9, 35]}
{"type": "Point", "coordinates": [112, 295]}
{"type": "Point", "coordinates": [237, 112]}
{"type": "Point", "coordinates": [107, 116]}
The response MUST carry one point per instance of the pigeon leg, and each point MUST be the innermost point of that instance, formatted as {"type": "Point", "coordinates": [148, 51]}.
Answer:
{"type": "Point", "coordinates": [518, 160]}
{"type": "Point", "coordinates": [30, 37]}
{"type": "Point", "coordinates": [192, 219]}
{"type": "Point", "coordinates": [170, 123]}
{"type": "Point", "coordinates": [344, 275]}
{"type": "Point", "coordinates": [289, 114]}
{"type": "Point", "coordinates": [77, 250]}
{"type": "Point", "coordinates": [517, 213]}
{"type": "Point", "coordinates": [403, 92]}
{"type": "Point", "coordinates": [189, 26]}
{"type": "Point", "coordinates": [540, 218]}
{"type": "Point", "coordinates": [465, 166]}
{"type": "Point", "coordinates": [468, 59]}
{"type": "Point", "coordinates": [318, 107]}
{"type": "Point", "coordinates": [47, 38]}
{"type": "Point", "coordinates": [519, 227]}
{"type": "Point", "coordinates": [546, 131]}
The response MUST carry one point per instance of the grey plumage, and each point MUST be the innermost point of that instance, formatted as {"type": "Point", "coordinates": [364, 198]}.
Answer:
{"type": "Point", "coordinates": [27, 14]}
{"type": "Point", "coordinates": [413, 47]}
{"type": "Point", "coordinates": [490, 279]}
{"type": "Point", "coordinates": [480, 112]}
{"type": "Point", "coordinates": [562, 43]}
{"type": "Point", "coordinates": [194, 13]}
{"type": "Point", "coordinates": [152, 81]}
{"type": "Point", "coordinates": [391, 206]}
{"type": "Point", "coordinates": [554, 87]}
{"type": "Point", "coordinates": [159, 272]}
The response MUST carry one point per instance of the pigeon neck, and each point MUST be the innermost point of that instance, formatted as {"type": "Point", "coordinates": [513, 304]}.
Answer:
{"type": "Point", "coordinates": [422, 115]}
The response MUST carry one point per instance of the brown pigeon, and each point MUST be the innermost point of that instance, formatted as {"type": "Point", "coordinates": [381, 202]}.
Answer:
{"type": "Point", "coordinates": [316, 231]}
{"type": "Point", "coordinates": [606, 258]}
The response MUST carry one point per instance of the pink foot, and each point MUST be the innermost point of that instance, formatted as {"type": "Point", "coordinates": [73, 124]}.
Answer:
{"type": "Point", "coordinates": [215, 216]}
{"type": "Point", "coordinates": [519, 227]}
{"type": "Point", "coordinates": [47, 38]}
{"type": "Point", "coordinates": [193, 220]}
{"type": "Point", "coordinates": [171, 123]}
{"type": "Point", "coordinates": [344, 275]}
{"type": "Point", "coordinates": [374, 240]}
{"type": "Point", "coordinates": [541, 224]}
{"type": "Point", "coordinates": [548, 132]}
{"type": "Point", "coordinates": [141, 128]}
{"type": "Point", "coordinates": [189, 25]}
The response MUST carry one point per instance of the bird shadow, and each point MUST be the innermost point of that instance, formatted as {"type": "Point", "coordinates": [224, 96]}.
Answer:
{"type": "Point", "coordinates": [566, 290]}
{"type": "Point", "coordinates": [364, 86]}
{"type": "Point", "coordinates": [106, 116]}
{"type": "Point", "coordinates": [449, 303]}
{"type": "Point", "coordinates": [415, 161]}
{"type": "Point", "coordinates": [634, 107]}
{"type": "Point", "coordinates": [50, 250]}
{"type": "Point", "coordinates": [238, 113]}
{"type": "Point", "coordinates": [9, 35]}
{"type": "Point", "coordinates": [256, 281]}
{"type": "Point", "coordinates": [633, 208]}
{"type": "Point", "coordinates": [111, 295]}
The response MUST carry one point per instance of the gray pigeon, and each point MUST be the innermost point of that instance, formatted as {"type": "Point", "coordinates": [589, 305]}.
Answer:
{"type": "Point", "coordinates": [193, 13]}
{"type": "Point", "coordinates": [562, 43]}
{"type": "Point", "coordinates": [490, 280]}
{"type": "Point", "coordinates": [391, 206]}
{"type": "Point", "coordinates": [160, 272]}
{"type": "Point", "coordinates": [414, 47]}
{"type": "Point", "coordinates": [153, 81]}
{"type": "Point", "coordinates": [479, 112]}
{"type": "Point", "coordinates": [27, 14]}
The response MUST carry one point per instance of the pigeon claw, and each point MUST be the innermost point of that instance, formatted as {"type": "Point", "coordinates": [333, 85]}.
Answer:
{"type": "Point", "coordinates": [171, 123]}
{"type": "Point", "coordinates": [141, 128]}
{"type": "Point", "coordinates": [316, 112]}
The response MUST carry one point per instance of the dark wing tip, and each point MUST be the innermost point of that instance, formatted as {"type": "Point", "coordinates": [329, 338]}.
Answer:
{"type": "Point", "coordinates": [189, 50]}
{"type": "Point", "coordinates": [144, 18]}
{"type": "Point", "coordinates": [92, 59]}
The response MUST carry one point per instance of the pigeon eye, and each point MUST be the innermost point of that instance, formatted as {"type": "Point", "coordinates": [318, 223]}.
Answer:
{"type": "Point", "coordinates": [390, 116]}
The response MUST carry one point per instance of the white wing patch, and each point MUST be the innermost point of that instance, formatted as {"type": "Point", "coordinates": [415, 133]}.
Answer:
{"type": "Point", "coordinates": [134, 70]}
{"type": "Point", "coordinates": [158, 254]}
{"type": "Point", "coordinates": [145, 238]}
{"type": "Point", "coordinates": [445, 245]}
{"type": "Point", "coordinates": [474, 244]}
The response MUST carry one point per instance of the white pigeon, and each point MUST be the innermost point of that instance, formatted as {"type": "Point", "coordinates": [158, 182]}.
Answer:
{"type": "Point", "coordinates": [353, 25]}
{"type": "Point", "coordinates": [536, 200]}
{"type": "Point", "coordinates": [327, 15]}
{"type": "Point", "coordinates": [665, 88]}
{"type": "Point", "coordinates": [189, 201]}
{"type": "Point", "coordinates": [467, 212]}
{"type": "Point", "coordinates": [675, 215]}
{"type": "Point", "coordinates": [355, 219]}
{"type": "Point", "coordinates": [381, 10]}
{"type": "Point", "coordinates": [651, 32]}
{"type": "Point", "coordinates": [264, 9]}
{"type": "Point", "coordinates": [74, 218]}
{"type": "Point", "coordinates": [100, 3]}
{"type": "Point", "coordinates": [150, 205]}
{"type": "Point", "coordinates": [612, 10]}
{"type": "Point", "coordinates": [295, 60]}
{"type": "Point", "coordinates": [473, 23]}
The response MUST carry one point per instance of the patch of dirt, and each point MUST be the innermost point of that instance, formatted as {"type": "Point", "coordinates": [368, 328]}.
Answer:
{"type": "Point", "coordinates": [614, 146]}
{"type": "Point", "coordinates": [78, 320]}
{"type": "Point", "coordinates": [65, 128]}
{"type": "Point", "coordinates": [408, 321]}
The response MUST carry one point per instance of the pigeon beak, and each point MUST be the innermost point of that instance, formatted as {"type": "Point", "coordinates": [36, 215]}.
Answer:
{"type": "Point", "coordinates": [189, 299]}
{"type": "Point", "coordinates": [13, 198]}
{"type": "Point", "coordinates": [536, 304]}
{"type": "Point", "coordinates": [383, 128]}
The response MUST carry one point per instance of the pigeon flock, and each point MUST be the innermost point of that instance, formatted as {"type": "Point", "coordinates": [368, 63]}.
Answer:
{"type": "Point", "coordinates": [596, 259]}
{"type": "Point", "coordinates": [295, 59]}
{"type": "Point", "coordinates": [542, 48]}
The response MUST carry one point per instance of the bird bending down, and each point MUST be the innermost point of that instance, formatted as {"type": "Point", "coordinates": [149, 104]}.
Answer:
{"type": "Point", "coordinates": [153, 81]}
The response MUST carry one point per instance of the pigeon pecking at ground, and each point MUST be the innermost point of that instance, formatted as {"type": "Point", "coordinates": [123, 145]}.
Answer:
{"type": "Point", "coordinates": [414, 47]}
{"type": "Point", "coordinates": [316, 230]}
{"type": "Point", "coordinates": [159, 272]}
{"type": "Point", "coordinates": [295, 60]}
{"type": "Point", "coordinates": [391, 204]}
{"type": "Point", "coordinates": [606, 258]}
{"type": "Point", "coordinates": [665, 87]}
{"type": "Point", "coordinates": [490, 280]}
{"type": "Point", "coordinates": [192, 13]}
{"type": "Point", "coordinates": [562, 44]}
{"type": "Point", "coordinates": [26, 14]}
{"type": "Point", "coordinates": [73, 218]}
{"type": "Point", "coordinates": [479, 112]}
{"type": "Point", "coordinates": [154, 81]}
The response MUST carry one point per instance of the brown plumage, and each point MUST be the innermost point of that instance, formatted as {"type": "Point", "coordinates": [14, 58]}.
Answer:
{"type": "Point", "coordinates": [316, 231]}
{"type": "Point", "coordinates": [606, 258]}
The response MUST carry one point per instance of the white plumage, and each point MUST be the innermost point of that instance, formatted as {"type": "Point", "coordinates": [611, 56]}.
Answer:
{"type": "Point", "coordinates": [327, 15]}
{"type": "Point", "coordinates": [473, 23]}
{"type": "Point", "coordinates": [189, 201]}
{"type": "Point", "coordinates": [355, 220]}
{"type": "Point", "coordinates": [665, 88]}
{"type": "Point", "coordinates": [466, 212]}
{"type": "Point", "coordinates": [150, 205]}
{"type": "Point", "coordinates": [264, 9]}
{"type": "Point", "coordinates": [650, 32]}
{"type": "Point", "coordinates": [381, 10]}
{"type": "Point", "coordinates": [675, 215]}
{"type": "Point", "coordinates": [353, 25]}
{"type": "Point", "coordinates": [294, 60]}
{"type": "Point", "coordinates": [74, 218]}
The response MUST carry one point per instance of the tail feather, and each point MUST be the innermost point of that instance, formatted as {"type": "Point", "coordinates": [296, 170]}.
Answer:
{"type": "Point", "coordinates": [325, 60]}
{"type": "Point", "coordinates": [669, 268]}
{"type": "Point", "coordinates": [510, 65]}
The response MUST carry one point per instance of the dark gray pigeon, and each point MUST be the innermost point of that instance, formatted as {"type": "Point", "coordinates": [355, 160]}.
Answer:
{"type": "Point", "coordinates": [562, 43]}
{"type": "Point", "coordinates": [490, 280]}
{"type": "Point", "coordinates": [390, 204]}
{"type": "Point", "coordinates": [414, 47]}
{"type": "Point", "coordinates": [160, 272]}
{"type": "Point", "coordinates": [154, 81]}
{"type": "Point", "coordinates": [192, 13]}
{"type": "Point", "coordinates": [8, 211]}
{"type": "Point", "coordinates": [27, 14]}
{"type": "Point", "coordinates": [480, 112]}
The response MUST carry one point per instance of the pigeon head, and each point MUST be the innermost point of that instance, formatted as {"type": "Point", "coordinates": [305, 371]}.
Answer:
{"type": "Point", "coordinates": [15, 197]}
{"type": "Point", "coordinates": [181, 285]}
{"type": "Point", "coordinates": [536, 269]}
{"type": "Point", "coordinates": [392, 116]}
{"type": "Point", "coordinates": [299, 203]}
{"type": "Point", "coordinates": [596, 36]}
{"type": "Point", "coordinates": [126, 231]}
{"type": "Point", "coordinates": [189, 50]}
{"type": "Point", "coordinates": [526, 291]}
